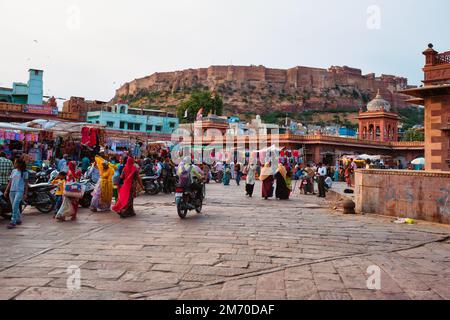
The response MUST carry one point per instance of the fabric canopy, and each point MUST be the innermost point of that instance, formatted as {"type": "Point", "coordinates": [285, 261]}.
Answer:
{"type": "Point", "coordinates": [272, 148]}
{"type": "Point", "coordinates": [60, 127]}
{"type": "Point", "coordinates": [12, 126]}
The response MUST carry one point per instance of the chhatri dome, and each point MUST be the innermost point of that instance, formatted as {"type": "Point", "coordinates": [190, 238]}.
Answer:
{"type": "Point", "coordinates": [378, 104]}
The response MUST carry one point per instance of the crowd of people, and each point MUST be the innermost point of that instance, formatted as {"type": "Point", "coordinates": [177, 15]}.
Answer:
{"type": "Point", "coordinates": [118, 180]}
{"type": "Point", "coordinates": [276, 180]}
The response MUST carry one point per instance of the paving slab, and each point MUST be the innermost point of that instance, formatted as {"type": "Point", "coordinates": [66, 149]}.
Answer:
{"type": "Point", "coordinates": [239, 248]}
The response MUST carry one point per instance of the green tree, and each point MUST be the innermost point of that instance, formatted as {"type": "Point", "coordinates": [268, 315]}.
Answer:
{"type": "Point", "coordinates": [200, 99]}
{"type": "Point", "coordinates": [411, 116]}
{"type": "Point", "coordinates": [413, 135]}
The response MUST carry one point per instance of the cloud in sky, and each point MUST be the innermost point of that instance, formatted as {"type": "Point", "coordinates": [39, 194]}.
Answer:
{"type": "Point", "coordinates": [89, 48]}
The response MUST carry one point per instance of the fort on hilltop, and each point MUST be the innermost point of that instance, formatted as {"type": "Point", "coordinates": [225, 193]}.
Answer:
{"type": "Point", "coordinates": [258, 89]}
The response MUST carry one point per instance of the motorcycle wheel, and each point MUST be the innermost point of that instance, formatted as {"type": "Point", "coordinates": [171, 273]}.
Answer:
{"type": "Point", "coordinates": [182, 212]}
{"type": "Point", "coordinates": [198, 207]}
{"type": "Point", "coordinates": [219, 177]}
{"type": "Point", "coordinates": [6, 216]}
{"type": "Point", "coordinates": [153, 190]}
{"type": "Point", "coordinates": [48, 207]}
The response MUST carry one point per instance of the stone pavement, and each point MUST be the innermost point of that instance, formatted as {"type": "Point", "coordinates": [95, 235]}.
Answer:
{"type": "Point", "coordinates": [239, 248]}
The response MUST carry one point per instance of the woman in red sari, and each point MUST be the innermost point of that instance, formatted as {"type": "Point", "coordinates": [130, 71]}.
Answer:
{"type": "Point", "coordinates": [348, 175]}
{"type": "Point", "coordinates": [266, 177]}
{"type": "Point", "coordinates": [127, 192]}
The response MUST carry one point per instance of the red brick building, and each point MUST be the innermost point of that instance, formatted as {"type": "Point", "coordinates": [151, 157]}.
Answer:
{"type": "Point", "coordinates": [435, 96]}
{"type": "Point", "coordinates": [76, 108]}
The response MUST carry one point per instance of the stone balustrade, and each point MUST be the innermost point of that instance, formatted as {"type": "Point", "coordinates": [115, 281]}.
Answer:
{"type": "Point", "coordinates": [443, 58]}
{"type": "Point", "coordinates": [289, 138]}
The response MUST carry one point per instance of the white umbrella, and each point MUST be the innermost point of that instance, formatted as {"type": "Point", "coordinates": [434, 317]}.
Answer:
{"type": "Point", "coordinates": [418, 161]}
{"type": "Point", "coordinates": [369, 157]}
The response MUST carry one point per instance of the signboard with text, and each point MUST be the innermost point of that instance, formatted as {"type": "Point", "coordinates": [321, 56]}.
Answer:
{"type": "Point", "coordinates": [35, 109]}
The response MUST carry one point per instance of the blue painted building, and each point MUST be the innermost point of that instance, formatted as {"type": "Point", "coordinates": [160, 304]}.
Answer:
{"type": "Point", "coordinates": [122, 117]}
{"type": "Point", "coordinates": [347, 132]}
{"type": "Point", "coordinates": [35, 87]}
{"type": "Point", "coordinates": [25, 93]}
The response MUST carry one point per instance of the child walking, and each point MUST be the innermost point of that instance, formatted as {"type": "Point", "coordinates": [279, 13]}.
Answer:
{"type": "Point", "coordinates": [60, 181]}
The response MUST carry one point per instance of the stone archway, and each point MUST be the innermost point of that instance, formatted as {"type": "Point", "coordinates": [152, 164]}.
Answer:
{"type": "Point", "coordinates": [371, 132]}
{"type": "Point", "coordinates": [364, 133]}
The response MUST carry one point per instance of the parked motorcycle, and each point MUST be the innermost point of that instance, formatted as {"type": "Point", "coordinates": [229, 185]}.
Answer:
{"type": "Point", "coordinates": [86, 200]}
{"type": "Point", "coordinates": [152, 185]}
{"type": "Point", "coordinates": [5, 205]}
{"type": "Point", "coordinates": [44, 175]}
{"type": "Point", "coordinates": [217, 176]}
{"type": "Point", "coordinates": [41, 197]}
{"type": "Point", "coordinates": [186, 199]}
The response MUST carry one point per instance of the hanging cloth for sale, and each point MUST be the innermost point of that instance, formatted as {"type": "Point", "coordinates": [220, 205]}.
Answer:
{"type": "Point", "coordinates": [92, 138]}
{"type": "Point", "coordinates": [137, 150]}
{"type": "Point", "coordinates": [85, 135]}
{"type": "Point", "coordinates": [97, 137]}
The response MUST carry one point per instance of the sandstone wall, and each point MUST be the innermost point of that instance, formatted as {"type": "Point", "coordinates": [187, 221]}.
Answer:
{"type": "Point", "coordinates": [423, 195]}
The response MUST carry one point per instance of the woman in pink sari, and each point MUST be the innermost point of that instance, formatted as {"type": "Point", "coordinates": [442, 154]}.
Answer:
{"type": "Point", "coordinates": [127, 192]}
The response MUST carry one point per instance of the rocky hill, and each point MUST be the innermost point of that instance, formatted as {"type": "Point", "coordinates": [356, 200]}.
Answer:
{"type": "Point", "coordinates": [258, 90]}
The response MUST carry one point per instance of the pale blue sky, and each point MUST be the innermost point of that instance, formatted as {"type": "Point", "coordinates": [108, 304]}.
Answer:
{"type": "Point", "coordinates": [117, 41]}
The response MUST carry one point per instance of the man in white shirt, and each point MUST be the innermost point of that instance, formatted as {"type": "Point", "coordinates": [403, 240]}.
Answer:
{"type": "Point", "coordinates": [63, 165]}
{"type": "Point", "coordinates": [321, 173]}
{"type": "Point", "coordinates": [219, 166]}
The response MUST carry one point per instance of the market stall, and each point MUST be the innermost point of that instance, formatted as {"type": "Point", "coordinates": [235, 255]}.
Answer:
{"type": "Point", "coordinates": [374, 161]}
{"type": "Point", "coordinates": [17, 140]}
{"type": "Point", "coordinates": [160, 149]}
{"type": "Point", "coordinates": [117, 143]}
{"type": "Point", "coordinates": [72, 138]}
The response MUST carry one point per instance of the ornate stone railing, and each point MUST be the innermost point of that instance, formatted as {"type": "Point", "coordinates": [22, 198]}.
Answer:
{"type": "Point", "coordinates": [407, 144]}
{"type": "Point", "coordinates": [443, 58]}
{"type": "Point", "coordinates": [293, 138]}
{"type": "Point", "coordinates": [417, 173]}
{"type": "Point", "coordinates": [325, 138]}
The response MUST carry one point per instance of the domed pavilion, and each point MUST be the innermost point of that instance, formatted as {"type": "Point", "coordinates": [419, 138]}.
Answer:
{"type": "Point", "coordinates": [378, 123]}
